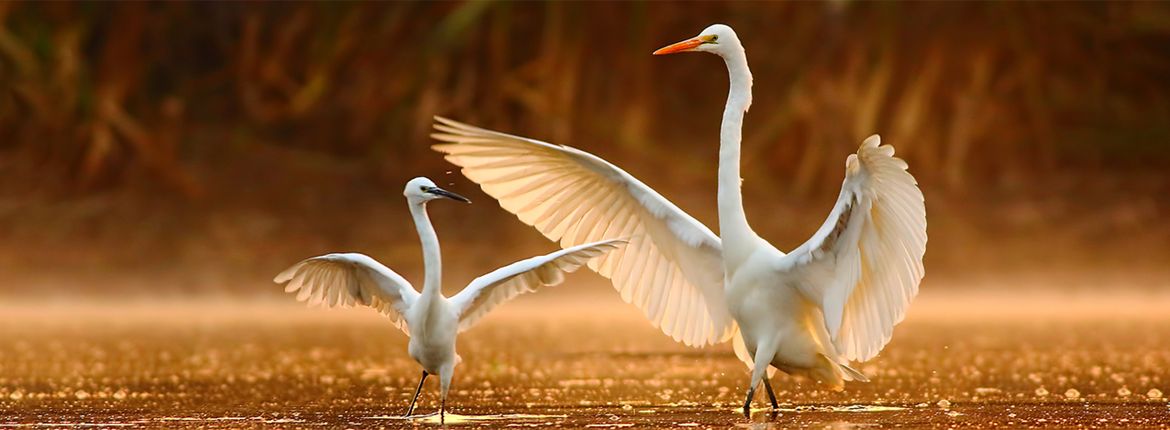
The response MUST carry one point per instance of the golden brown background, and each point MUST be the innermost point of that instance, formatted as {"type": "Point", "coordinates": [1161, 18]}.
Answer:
{"type": "Point", "coordinates": [201, 147]}
{"type": "Point", "coordinates": [160, 162]}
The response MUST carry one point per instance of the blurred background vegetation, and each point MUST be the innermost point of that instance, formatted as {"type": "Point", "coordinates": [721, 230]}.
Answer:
{"type": "Point", "coordinates": [203, 146]}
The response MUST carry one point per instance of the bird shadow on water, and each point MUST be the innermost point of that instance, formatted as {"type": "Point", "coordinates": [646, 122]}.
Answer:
{"type": "Point", "coordinates": [452, 418]}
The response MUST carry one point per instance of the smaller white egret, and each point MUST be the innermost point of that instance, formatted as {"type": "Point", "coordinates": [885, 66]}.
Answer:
{"type": "Point", "coordinates": [431, 320]}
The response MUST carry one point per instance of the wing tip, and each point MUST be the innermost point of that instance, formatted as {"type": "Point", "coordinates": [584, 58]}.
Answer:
{"type": "Point", "coordinates": [287, 274]}
{"type": "Point", "coordinates": [852, 374]}
{"type": "Point", "coordinates": [617, 242]}
{"type": "Point", "coordinates": [873, 141]}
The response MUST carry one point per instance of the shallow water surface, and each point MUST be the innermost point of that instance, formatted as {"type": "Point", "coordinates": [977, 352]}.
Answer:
{"type": "Point", "coordinates": [963, 361]}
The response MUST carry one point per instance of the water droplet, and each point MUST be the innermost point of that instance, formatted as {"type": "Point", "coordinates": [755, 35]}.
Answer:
{"type": "Point", "coordinates": [1123, 392]}
{"type": "Point", "coordinates": [1072, 393]}
{"type": "Point", "coordinates": [81, 394]}
{"type": "Point", "coordinates": [1041, 392]}
{"type": "Point", "coordinates": [944, 403]}
{"type": "Point", "coordinates": [1154, 393]}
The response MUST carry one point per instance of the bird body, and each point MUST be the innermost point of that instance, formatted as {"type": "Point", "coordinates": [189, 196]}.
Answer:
{"type": "Point", "coordinates": [832, 300]}
{"type": "Point", "coordinates": [433, 325]}
{"type": "Point", "coordinates": [431, 320]}
{"type": "Point", "coordinates": [867, 256]}
{"type": "Point", "coordinates": [778, 323]}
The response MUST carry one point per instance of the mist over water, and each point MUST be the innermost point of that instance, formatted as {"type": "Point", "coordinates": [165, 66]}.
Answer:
{"type": "Point", "coordinates": [1046, 360]}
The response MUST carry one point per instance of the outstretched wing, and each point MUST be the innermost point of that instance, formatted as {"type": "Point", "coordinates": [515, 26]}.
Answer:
{"type": "Point", "coordinates": [345, 279]}
{"type": "Point", "coordinates": [524, 276]}
{"type": "Point", "coordinates": [864, 264]}
{"type": "Point", "coordinates": [672, 268]}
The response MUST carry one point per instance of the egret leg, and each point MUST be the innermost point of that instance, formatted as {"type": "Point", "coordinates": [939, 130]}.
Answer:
{"type": "Point", "coordinates": [444, 387]}
{"type": "Point", "coordinates": [771, 394]}
{"type": "Point", "coordinates": [747, 404]}
{"type": "Point", "coordinates": [762, 358]}
{"type": "Point", "coordinates": [417, 391]}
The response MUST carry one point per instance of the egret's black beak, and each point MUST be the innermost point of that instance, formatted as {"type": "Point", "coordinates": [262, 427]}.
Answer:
{"type": "Point", "coordinates": [444, 193]}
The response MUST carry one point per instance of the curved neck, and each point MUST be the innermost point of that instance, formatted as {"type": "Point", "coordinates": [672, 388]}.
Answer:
{"type": "Point", "coordinates": [733, 226]}
{"type": "Point", "coordinates": [432, 258]}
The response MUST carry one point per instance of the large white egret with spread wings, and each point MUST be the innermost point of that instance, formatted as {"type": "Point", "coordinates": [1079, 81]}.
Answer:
{"type": "Point", "coordinates": [832, 300]}
{"type": "Point", "coordinates": [431, 320]}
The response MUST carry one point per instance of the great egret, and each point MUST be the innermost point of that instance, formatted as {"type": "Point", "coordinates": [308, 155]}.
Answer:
{"type": "Point", "coordinates": [431, 320]}
{"type": "Point", "coordinates": [832, 300]}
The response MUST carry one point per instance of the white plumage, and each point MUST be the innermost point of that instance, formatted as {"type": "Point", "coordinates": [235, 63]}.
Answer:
{"type": "Point", "coordinates": [864, 264]}
{"type": "Point", "coordinates": [431, 320]}
{"type": "Point", "coordinates": [488, 291]}
{"type": "Point", "coordinates": [347, 279]}
{"type": "Point", "coordinates": [834, 299]}
{"type": "Point", "coordinates": [670, 268]}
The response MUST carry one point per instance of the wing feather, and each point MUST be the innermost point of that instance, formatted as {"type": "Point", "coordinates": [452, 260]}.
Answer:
{"type": "Point", "coordinates": [488, 291]}
{"type": "Point", "coordinates": [573, 197]}
{"type": "Point", "coordinates": [864, 265]}
{"type": "Point", "coordinates": [342, 280]}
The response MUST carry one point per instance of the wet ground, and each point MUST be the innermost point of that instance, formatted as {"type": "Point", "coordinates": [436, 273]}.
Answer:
{"type": "Point", "coordinates": [961, 360]}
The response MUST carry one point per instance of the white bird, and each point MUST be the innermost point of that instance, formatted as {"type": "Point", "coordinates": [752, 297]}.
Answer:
{"type": "Point", "coordinates": [832, 300]}
{"type": "Point", "coordinates": [431, 320]}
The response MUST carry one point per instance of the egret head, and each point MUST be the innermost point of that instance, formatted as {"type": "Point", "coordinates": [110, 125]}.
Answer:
{"type": "Point", "coordinates": [421, 190]}
{"type": "Point", "coordinates": [717, 39]}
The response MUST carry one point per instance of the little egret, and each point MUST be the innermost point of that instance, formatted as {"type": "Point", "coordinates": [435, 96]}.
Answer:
{"type": "Point", "coordinates": [431, 320]}
{"type": "Point", "coordinates": [832, 300]}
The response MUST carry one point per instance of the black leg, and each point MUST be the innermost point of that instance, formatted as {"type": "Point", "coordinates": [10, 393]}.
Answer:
{"type": "Point", "coordinates": [771, 394]}
{"type": "Point", "coordinates": [443, 411]}
{"type": "Point", "coordinates": [417, 391]}
{"type": "Point", "coordinates": [747, 404]}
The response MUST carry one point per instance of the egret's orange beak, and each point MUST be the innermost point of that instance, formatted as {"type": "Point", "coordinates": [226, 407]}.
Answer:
{"type": "Point", "coordinates": [684, 46]}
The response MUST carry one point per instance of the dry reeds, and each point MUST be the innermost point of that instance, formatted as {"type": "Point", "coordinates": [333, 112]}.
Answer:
{"type": "Point", "coordinates": [975, 91]}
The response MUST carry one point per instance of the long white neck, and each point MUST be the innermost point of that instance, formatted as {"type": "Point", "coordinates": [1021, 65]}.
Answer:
{"type": "Point", "coordinates": [432, 258]}
{"type": "Point", "coordinates": [736, 234]}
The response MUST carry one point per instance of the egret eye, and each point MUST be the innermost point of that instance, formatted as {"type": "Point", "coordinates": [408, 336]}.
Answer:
{"type": "Point", "coordinates": [714, 38]}
{"type": "Point", "coordinates": [422, 188]}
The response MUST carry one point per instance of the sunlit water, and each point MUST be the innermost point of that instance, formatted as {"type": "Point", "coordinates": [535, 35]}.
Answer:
{"type": "Point", "coordinates": [957, 362]}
